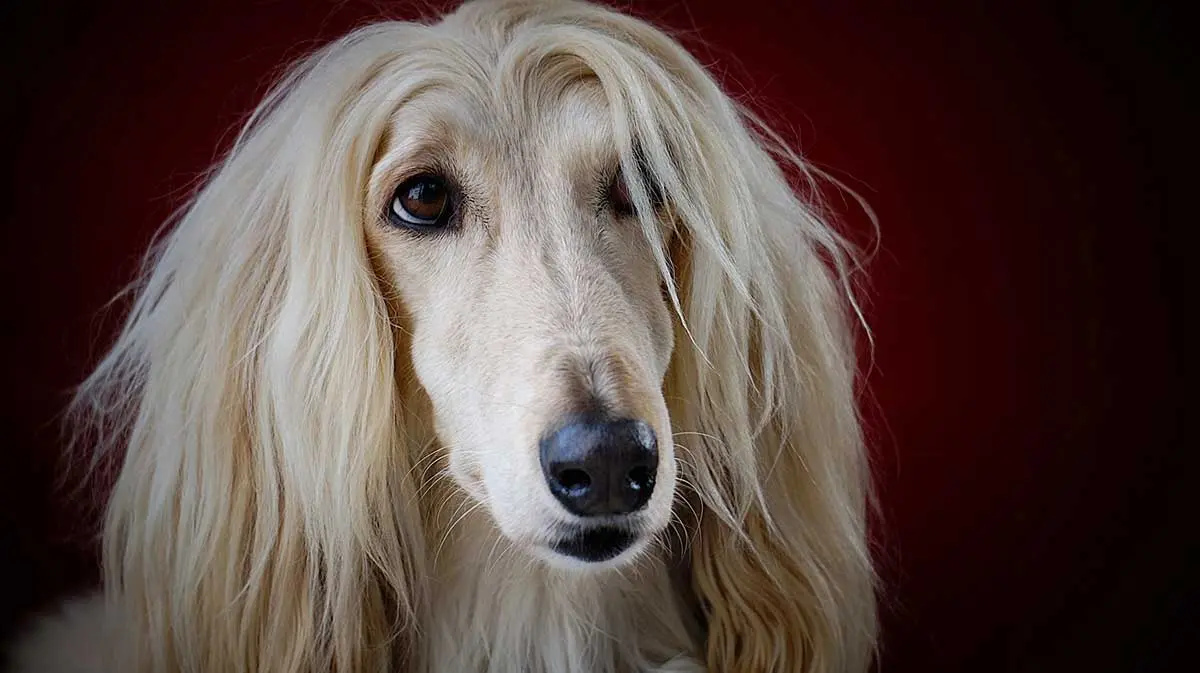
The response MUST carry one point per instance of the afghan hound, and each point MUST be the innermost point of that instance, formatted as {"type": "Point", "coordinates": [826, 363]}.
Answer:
{"type": "Point", "coordinates": [507, 342]}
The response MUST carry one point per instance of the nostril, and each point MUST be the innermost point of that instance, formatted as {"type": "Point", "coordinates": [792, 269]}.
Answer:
{"type": "Point", "coordinates": [639, 478]}
{"type": "Point", "coordinates": [573, 480]}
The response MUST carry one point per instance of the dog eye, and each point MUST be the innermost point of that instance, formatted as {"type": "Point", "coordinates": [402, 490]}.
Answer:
{"type": "Point", "coordinates": [621, 200]}
{"type": "Point", "coordinates": [422, 201]}
{"type": "Point", "coordinates": [619, 197]}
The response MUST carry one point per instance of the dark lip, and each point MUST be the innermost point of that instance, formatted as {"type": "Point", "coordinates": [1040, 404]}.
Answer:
{"type": "Point", "coordinates": [595, 544]}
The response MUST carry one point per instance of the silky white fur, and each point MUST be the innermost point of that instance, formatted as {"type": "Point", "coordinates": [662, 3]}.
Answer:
{"type": "Point", "coordinates": [326, 428]}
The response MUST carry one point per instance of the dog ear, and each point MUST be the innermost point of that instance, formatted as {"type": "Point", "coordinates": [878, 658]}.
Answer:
{"type": "Point", "coordinates": [264, 516]}
{"type": "Point", "coordinates": [779, 558]}
{"type": "Point", "coordinates": [763, 390]}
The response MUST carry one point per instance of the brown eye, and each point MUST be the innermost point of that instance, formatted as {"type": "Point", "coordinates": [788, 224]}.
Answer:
{"type": "Point", "coordinates": [620, 199]}
{"type": "Point", "coordinates": [422, 201]}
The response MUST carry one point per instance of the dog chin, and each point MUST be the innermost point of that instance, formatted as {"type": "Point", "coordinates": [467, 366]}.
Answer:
{"type": "Point", "coordinates": [593, 548]}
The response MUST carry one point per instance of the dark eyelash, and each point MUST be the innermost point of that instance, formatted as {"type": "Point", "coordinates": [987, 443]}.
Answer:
{"type": "Point", "coordinates": [604, 181]}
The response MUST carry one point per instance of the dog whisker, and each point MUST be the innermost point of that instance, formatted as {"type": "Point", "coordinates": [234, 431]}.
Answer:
{"type": "Point", "coordinates": [450, 528]}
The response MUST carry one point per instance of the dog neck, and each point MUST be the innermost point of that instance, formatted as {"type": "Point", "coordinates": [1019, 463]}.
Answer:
{"type": "Point", "coordinates": [496, 608]}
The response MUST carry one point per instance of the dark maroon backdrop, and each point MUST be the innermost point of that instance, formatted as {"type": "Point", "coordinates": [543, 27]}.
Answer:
{"type": "Point", "coordinates": [1027, 397]}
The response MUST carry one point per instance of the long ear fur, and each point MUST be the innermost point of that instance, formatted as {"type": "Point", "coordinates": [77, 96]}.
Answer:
{"type": "Point", "coordinates": [770, 433]}
{"type": "Point", "coordinates": [761, 389]}
{"type": "Point", "coordinates": [781, 560]}
{"type": "Point", "coordinates": [264, 518]}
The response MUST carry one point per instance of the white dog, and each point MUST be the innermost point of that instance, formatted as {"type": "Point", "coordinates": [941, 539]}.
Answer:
{"type": "Point", "coordinates": [499, 344]}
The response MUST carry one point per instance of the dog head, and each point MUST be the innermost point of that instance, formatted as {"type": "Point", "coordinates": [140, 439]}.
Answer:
{"type": "Point", "coordinates": [534, 244]}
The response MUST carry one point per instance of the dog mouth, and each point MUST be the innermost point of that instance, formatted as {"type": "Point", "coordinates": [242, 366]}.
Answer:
{"type": "Point", "coordinates": [596, 544]}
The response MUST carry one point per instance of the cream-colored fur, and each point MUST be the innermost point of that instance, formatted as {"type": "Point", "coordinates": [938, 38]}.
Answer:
{"type": "Point", "coordinates": [326, 426]}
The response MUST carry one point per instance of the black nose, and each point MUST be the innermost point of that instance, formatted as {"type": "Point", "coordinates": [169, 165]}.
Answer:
{"type": "Point", "coordinates": [601, 467]}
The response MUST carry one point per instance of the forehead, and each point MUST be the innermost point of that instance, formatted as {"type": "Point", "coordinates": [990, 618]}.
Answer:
{"type": "Point", "coordinates": [501, 124]}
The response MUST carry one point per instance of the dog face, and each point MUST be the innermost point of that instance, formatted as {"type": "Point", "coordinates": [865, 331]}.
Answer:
{"type": "Point", "coordinates": [535, 313]}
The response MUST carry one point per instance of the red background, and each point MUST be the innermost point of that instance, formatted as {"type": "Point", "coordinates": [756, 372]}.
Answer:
{"type": "Point", "coordinates": [1027, 399]}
